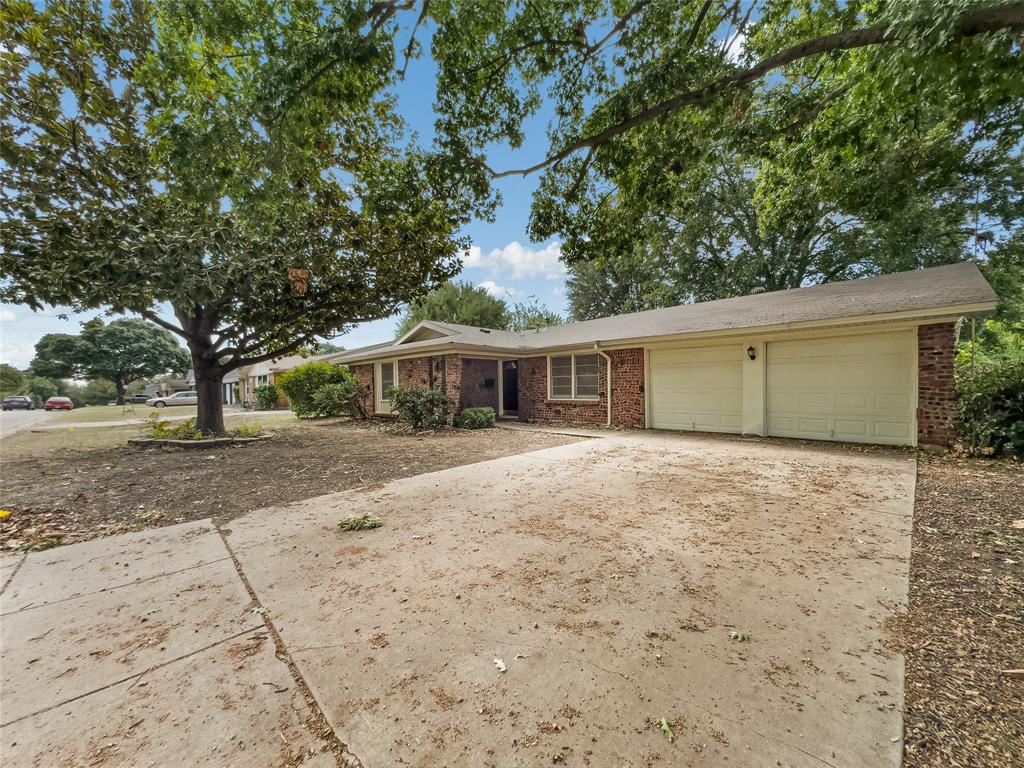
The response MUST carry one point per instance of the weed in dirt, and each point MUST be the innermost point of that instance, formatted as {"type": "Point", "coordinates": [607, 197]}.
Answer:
{"type": "Point", "coordinates": [360, 523]}
{"type": "Point", "coordinates": [42, 545]}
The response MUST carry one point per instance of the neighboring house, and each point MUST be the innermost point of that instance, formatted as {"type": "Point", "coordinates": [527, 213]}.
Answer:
{"type": "Point", "coordinates": [867, 360]}
{"type": "Point", "coordinates": [228, 387]}
{"type": "Point", "coordinates": [267, 372]}
{"type": "Point", "coordinates": [169, 387]}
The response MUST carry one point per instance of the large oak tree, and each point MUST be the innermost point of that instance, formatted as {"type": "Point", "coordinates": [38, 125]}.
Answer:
{"type": "Point", "coordinates": [235, 172]}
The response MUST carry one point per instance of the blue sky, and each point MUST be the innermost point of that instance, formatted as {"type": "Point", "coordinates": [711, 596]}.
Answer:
{"type": "Point", "coordinates": [502, 258]}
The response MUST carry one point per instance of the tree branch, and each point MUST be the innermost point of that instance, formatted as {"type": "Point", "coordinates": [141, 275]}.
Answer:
{"type": "Point", "coordinates": [978, 21]}
{"type": "Point", "coordinates": [412, 38]}
{"type": "Point", "coordinates": [155, 318]}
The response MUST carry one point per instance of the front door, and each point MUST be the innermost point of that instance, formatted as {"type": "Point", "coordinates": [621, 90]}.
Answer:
{"type": "Point", "coordinates": [510, 386]}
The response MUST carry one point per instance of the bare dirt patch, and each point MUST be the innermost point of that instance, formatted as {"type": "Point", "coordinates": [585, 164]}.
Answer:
{"type": "Point", "coordinates": [965, 622]}
{"type": "Point", "coordinates": [67, 494]}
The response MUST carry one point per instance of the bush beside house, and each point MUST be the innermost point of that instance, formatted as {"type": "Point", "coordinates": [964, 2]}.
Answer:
{"type": "Point", "coordinates": [266, 397]}
{"type": "Point", "coordinates": [322, 389]}
{"type": "Point", "coordinates": [476, 418]}
{"type": "Point", "coordinates": [990, 391]}
{"type": "Point", "coordinates": [421, 408]}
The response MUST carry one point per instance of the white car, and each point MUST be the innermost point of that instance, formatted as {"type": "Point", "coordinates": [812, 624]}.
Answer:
{"type": "Point", "coordinates": [178, 398]}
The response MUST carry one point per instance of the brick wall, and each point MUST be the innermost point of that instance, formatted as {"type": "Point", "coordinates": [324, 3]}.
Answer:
{"type": "Point", "coordinates": [627, 395]}
{"type": "Point", "coordinates": [936, 388]}
{"type": "Point", "coordinates": [475, 376]}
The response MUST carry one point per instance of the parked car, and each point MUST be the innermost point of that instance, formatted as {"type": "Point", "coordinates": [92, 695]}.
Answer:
{"type": "Point", "coordinates": [58, 404]}
{"type": "Point", "coordinates": [178, 398]}
{"type": "Point", "coordinates": [141, 397]}
{"type": "Point", "coordinates": [18, 401]}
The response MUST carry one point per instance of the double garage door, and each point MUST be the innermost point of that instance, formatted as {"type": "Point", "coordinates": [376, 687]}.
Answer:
{"type": "Point", "coordinates": [849, 388]}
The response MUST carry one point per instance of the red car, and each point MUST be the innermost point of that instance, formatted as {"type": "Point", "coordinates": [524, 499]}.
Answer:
{"type": "Point", "coordinates": [58, 404]}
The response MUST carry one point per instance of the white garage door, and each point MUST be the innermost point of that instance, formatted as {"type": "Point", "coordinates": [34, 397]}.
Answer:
{"type": "Point", "coordinates": [853, 388]}
{"type": "Point", "coordinates": [697, 388]}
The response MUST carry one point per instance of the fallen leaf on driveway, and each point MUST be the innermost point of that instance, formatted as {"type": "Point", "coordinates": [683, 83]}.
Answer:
{"type": "Point", "coordinates": [499, 664]}
{"type": "Point", "coordinates": [666, 729]}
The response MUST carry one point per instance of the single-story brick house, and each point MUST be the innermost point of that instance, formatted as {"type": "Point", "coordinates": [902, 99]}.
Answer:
{"type": "Point", "coordinates": [868, 360]}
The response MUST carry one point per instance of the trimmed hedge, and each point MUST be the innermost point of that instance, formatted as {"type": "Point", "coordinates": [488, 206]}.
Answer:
{"type": "Point", "coordinates": [476, 418]}
{"type": "Point", "coordinates": [301, 384]}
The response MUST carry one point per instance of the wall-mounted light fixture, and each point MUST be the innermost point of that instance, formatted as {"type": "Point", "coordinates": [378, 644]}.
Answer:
{"type": "Point", "coordinates": [752, 353]}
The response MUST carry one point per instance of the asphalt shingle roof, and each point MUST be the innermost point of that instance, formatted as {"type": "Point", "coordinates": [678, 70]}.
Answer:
{"type": "Point", "coordinates": [923, 290]}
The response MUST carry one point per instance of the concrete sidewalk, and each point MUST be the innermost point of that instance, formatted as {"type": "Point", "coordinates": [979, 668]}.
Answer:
{"type": "Point", "coordinates": [141, 649]}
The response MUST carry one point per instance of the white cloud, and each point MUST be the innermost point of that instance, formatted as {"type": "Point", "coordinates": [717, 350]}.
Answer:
{"type": "Point", "coordinates": [496, 290]}
{"type": "Point", "coordinates": [518, 261]}
{"type": "Point", "coordinates": [559, 290]}
{"type": "Point", "coordinates": [736, 47]}
{"type": "Point", "coordinates": [6, 316]}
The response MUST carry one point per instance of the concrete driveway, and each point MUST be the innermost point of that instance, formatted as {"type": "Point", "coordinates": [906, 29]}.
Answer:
{"type": "Point", "coordinates": [605, 577]}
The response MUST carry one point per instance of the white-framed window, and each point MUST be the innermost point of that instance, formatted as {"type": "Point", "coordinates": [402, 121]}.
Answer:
{"type": "Point", "coordinates": [573, 377]}
{"type": "Point", "coordinates": [261, 380]}
{"type": "Point", "coordinates": [387, 377]}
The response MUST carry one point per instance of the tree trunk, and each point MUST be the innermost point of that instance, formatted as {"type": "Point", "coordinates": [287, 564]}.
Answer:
{"type": "Point", "coordinates": [210, 418]}
{"type": "Point", "coordinates": [119, 386]}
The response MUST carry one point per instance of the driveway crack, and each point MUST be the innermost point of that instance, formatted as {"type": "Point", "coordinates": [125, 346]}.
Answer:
{"type": "Point", "coordinates": [343, 757]}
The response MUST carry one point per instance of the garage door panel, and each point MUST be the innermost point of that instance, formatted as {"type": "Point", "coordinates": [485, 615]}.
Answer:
{"type": "Point", "coordinates": [699, 388]}
{"type": "Point", "coordinates": [855, 388]}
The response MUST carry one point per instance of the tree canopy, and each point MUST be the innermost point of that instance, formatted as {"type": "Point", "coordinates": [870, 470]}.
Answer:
{"type": "Point", "coordinates": [121, 352]}
{"type": "Point", "coordinates": [467, 304]}
{"type": "Point", "coordinates": [240, 163]}
{"type": "Point", "coordinates": [700, 149]}
{"type": "Point", "coordinates": [456, 302]}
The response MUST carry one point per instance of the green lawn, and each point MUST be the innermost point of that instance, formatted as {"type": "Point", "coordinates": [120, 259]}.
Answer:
{"type": "Point", "coordinates": [116, 413]}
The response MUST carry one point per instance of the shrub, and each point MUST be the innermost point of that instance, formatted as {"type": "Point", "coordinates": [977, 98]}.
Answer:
{"type": "Point", "coordinates": [476, 418]}
{"type": "Point", "coordinates": [990, 410]}
{"type": "Point", "coordinates": [990, 389]}
{"type": "Point", "coordinates": [266, 397]}
{"type": "Point", "coordinates": [164, 429]}
{"type": "Point", "coordinates": [421, 408]}
{"type": "Point", "coordinates": [301, 384]}
{"type": "Point", "coordinates": [341, 399]}
{"type": "Point", "coordinates": [247, 430]}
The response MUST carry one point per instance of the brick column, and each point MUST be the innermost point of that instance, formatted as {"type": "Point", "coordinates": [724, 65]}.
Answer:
{"type": "Point", "coordinates": [936, 387]}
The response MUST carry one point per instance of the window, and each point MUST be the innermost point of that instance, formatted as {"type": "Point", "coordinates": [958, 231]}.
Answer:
{"type": "Point", "coordinates": [574, 377]}
{"type": "Point", "coordinates": [261, 380]}
{"type": "Point", "coordinates": [387, 379]}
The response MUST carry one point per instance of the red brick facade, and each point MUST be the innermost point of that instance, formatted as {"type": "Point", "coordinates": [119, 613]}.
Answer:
{"type": "Point", "coordinates": [627, 393]}
{"type": "Point", "coordinates": [479, 384]}
{"type": "Point", "coordinates": [364, 374]}
{"type": "Point", "coordinates": [936, 387]}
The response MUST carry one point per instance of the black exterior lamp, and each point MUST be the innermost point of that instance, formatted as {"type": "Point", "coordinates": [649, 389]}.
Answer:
{"type": "Point", "coordinates": [752, 353]}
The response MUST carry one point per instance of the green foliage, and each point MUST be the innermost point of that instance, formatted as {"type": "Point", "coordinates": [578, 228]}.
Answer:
{"type": "Point", "coordinates": [359, 523]}
{"type": "Point", "coordinates": [528, 314]}
{"type": "Point", "coordinates": [11, 380]}
{"type": "Point", "coordinates": [247, 430]}
{"type": "Point", "coordinates": [165, 429]}
{"type": "Point", "coordinates": [699, 150]}
{"type": "Point", "coordinates": [421, 408]}
{"type": "Point", "coordinates": [242, 162]}
{"type": "Point", "coordinates": [95, 392]}
{"type": "Point", "coordinates": [266, 396]}
{"type": "Point", "coordinates": [121, 351]}
{"type": "Point", "coordinates": [476, 418]}
{"type": "Point", "coordinates": [990, 390]}
{"type": "Point", "coordinates": [460, 303]}
{"type": "Point", "coordinates": [343, 398]}
{"type": "Point", "coordinates": [301, 384]}
{"type": "Point", "coordinates": [39, 388]}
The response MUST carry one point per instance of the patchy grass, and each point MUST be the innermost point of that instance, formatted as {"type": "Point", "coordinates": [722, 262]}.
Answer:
{"type": "Point", "coordinates": [964, 624]}
{"type": "Point", "coordinates": [116, 413]}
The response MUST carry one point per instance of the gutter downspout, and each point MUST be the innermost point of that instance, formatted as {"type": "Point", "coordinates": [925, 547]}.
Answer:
{"type": "Point", "coordinates": [608, 378]}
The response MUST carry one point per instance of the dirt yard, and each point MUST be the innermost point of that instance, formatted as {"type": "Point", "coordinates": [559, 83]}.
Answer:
{"type": "Point", "coordinates": [65, 487]}
{"type": "Point", "coordinates": [965, 623]}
